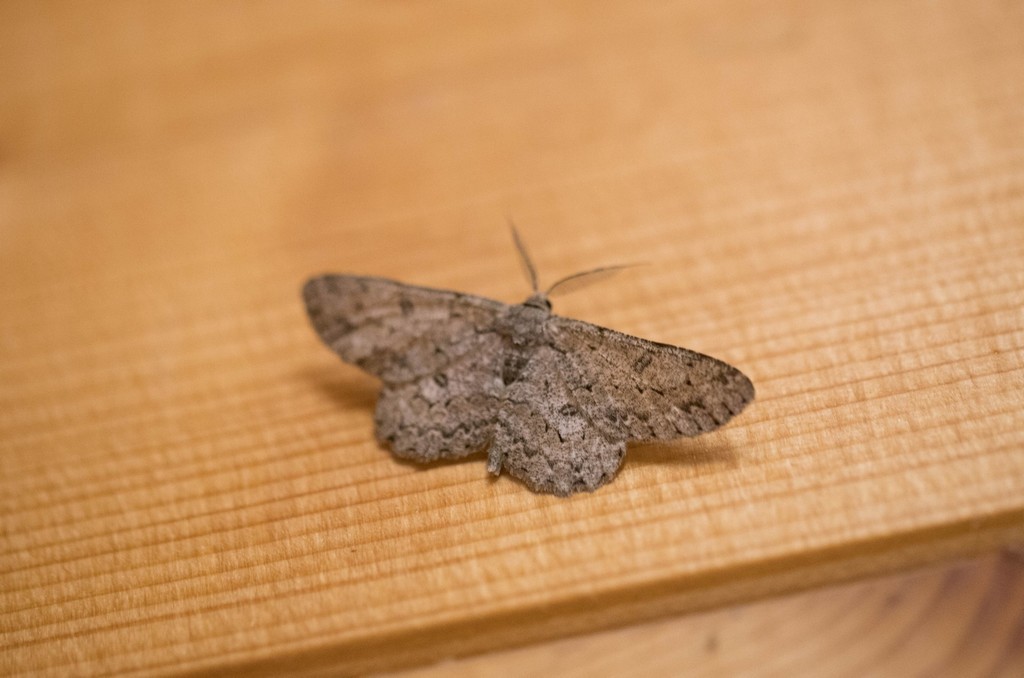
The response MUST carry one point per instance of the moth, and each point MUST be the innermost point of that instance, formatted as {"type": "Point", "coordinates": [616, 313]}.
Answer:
{"type": "Point", "coordinates": [553, 400]}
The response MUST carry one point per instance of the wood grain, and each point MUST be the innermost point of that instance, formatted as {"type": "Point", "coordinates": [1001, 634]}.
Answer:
{"type": "Point", "coordinates": [828, 195]}
{"type": "Point", "coordinates": [963, 619]}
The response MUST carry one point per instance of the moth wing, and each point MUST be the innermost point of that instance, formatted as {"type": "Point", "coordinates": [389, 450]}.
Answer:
{"type": "Point", "coordinates": [649, 390]}
{"type": "Point", "coordinates": [440, 366]}
{"type": "Point", "coordinates": [548, 432]}
{"type": "Point", "coordinates": [396, 332]}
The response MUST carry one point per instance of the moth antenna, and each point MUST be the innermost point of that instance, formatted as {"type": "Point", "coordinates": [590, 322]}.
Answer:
{"type": "Point", "coordinates": [524, 258]}
{"type": "Point", "coordinates": [579, 280]}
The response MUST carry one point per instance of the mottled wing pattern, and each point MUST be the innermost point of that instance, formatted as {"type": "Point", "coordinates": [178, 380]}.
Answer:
{"type": "Point", "coordinates": [647, 390]}
{"type": "Point", "coordinates": [396, 332]}
{"type": "Point", "coordinates": [432, 349]}
{"type": "Point", "coordinates": [444, 416]}
{"type": "Point", "coordinates": [557, 413]}
{"type": "Point", "coordinates": [549, 433]}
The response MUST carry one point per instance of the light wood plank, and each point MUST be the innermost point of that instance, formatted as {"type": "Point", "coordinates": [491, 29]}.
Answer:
{"type": "Point", "coordinates": [828, 195]}
{"type": "Point", "coordinates": [962, 620]}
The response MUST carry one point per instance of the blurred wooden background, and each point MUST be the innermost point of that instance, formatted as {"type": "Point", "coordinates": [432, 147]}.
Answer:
{"type": "Point", "coordinates": [829, 195]}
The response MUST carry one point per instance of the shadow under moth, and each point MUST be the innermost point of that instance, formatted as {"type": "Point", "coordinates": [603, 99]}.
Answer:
{"type": "Point", "coordinates": [553, 400]}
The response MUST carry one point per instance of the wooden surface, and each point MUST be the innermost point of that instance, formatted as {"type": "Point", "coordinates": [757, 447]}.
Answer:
{"type": "Point", "coordinates": [962, 619]}
{"type": "Point", "coordinates": [828, 195]}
